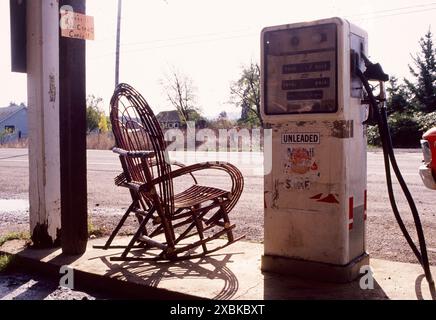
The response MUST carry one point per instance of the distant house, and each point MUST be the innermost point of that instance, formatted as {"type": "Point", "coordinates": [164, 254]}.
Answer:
{"type": "Point", "coordinates": [13, 123]}
{"type": "Point", "coordinates": [169, 119]}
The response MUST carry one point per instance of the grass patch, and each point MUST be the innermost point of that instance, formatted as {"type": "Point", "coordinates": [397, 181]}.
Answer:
{"type": "Point", "coordinates": [14, 236]}
{"type": "Point", "coordinates": [22, 144]}
{"type": "Point", "coordinates": [5, 262]}
{"type": "Point", "coordinates": [95, 232]}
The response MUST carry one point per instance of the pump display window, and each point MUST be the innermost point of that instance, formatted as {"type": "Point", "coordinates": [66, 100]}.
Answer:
{"type": "Point", "coordinates": [300, 69]}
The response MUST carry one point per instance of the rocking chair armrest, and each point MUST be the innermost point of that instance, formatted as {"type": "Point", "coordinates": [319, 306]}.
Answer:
{"type": "Point", "coordinates": [230, 169]}
{"type": "Point", "coordinates": [121, 181]}
{"type": "Point", "coordinates": [134, 154]}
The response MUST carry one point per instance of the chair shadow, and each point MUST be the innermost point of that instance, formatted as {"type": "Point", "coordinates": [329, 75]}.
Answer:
{"type": "Point", "coordinates": [152, 274]}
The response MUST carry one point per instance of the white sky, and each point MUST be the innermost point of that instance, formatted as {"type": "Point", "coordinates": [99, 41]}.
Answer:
{"type": "Point", "coordinates": [210, 41]}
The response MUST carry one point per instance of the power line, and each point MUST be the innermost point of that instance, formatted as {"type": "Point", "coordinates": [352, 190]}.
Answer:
{"type": "Point", "coordinates": [394, 9]}
{"type": "Point", "coordinates": [183, 38]}
{"type": "Point", "coordinates": [181, 44]}
{"type": "Point", "coordinates": [375, 15]}
{"type": "Point", "coordinates": [397, 14]}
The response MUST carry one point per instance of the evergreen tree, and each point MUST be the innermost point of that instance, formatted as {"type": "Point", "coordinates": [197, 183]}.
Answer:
{"type": "Point", "coordinates": [398, 100]}
{"type": "Point", "coordinates": [423, 88]}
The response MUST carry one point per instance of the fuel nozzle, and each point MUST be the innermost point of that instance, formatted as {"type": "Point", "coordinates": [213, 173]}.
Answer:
{"type": "Point", "coordinates": [374, 71]}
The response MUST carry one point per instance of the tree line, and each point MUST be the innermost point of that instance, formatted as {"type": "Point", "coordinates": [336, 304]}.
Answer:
{"type": "Point", "coordinates": [411, 103]}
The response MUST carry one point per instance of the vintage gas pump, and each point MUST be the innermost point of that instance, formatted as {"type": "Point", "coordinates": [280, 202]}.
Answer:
{"type": "Point", "coordinates": [315, 194]}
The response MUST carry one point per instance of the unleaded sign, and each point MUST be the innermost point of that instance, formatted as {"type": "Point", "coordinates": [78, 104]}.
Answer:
{"type": "Point", "coordinates": [301, 138]}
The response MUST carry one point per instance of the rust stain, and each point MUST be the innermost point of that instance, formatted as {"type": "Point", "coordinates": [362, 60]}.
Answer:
{"type": "Point", "coordinates": [264, 200]}
{"type": "Point", "coordinates": [276, 194]}
{"type": "Point", "coordinates": [305, 123]}
{"type": "Point", "coordinates": [343, 129]}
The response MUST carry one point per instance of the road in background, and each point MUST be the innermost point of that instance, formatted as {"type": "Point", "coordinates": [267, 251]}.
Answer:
{"type": "Point", "coordinates": [106, 202]}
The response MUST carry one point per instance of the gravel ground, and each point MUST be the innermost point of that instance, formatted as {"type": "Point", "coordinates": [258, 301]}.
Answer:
{"type": "Point", "coordinates": [107, 203]}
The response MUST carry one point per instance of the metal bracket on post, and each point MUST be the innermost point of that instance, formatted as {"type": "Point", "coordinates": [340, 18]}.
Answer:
{"type": "Point", "coordinates": [18, 35]}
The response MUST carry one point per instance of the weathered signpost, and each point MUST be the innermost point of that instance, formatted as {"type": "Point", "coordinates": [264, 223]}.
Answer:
{"type": "Point", "coordinates": [72, 100]}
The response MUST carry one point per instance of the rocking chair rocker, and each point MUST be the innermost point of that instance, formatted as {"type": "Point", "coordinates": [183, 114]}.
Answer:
{"type": "Point", "coordinates": [166, 220]}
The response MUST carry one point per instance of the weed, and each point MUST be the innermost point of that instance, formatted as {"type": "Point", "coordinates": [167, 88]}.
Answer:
{"type": "Point", "coordinates": [14, 236]}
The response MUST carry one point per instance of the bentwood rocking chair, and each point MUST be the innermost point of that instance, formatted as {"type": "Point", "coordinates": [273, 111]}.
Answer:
{"type": "Point", "coordinates": [166, 220]}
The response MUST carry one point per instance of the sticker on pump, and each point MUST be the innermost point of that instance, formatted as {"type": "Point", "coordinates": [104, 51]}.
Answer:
{"type": "Point", "coordinates": [301, 168]}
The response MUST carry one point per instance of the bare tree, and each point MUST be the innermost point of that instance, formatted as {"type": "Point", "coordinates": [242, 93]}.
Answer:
{"type": "Point", "coordinates": [180, 92]}
{"type": "Point", "coordinates": [245, 93]}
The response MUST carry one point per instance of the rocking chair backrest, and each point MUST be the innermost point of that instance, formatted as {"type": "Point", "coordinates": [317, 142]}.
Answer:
{"type": "Point", "coordinates": [136, 128]}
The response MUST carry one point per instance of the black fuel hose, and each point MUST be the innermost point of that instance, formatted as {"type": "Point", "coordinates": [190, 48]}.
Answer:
{"type": "Point", "coordinates": [389, 159]}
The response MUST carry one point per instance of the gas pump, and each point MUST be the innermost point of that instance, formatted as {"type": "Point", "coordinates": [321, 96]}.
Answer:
{"type": "Point", "coordinates": [317, 99]}
{"type": "Point", "coordinates": [315, 194]}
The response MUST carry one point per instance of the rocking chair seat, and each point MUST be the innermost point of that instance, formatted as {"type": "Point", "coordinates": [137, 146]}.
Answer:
{"type": "Point", "coordinates": [197, 195]}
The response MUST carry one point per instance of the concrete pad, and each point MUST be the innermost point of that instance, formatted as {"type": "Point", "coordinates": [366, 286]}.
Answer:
{"type": "Point", "coordinates": [231, 274]}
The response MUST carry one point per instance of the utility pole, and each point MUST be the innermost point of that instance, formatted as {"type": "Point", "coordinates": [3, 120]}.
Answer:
{"type": "Point", "coordinates": [117, 58]}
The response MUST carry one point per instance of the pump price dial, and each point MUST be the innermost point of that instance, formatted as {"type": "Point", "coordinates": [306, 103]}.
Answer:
{"type": "Point", "coordinates": [305, 84]}
{"type": "Point", "coordinates": [307, 67]}
{"type": "Point", "coordinates": [305, 95]}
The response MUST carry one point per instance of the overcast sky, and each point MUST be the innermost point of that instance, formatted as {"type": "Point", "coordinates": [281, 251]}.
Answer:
{"type": "Point", "coordinates": [210, 40]}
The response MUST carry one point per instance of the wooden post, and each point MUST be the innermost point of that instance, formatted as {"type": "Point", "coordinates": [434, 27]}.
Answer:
{"type": "Point", "coordinates": [57, 129]}
{"type": "Point", "coordinates": [43, 118]}
{"type": "Point", "coordinates": [72, 90]}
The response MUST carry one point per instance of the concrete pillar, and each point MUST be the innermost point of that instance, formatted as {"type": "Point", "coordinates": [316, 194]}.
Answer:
{"type": "Point", "coordinates": [43, 101]}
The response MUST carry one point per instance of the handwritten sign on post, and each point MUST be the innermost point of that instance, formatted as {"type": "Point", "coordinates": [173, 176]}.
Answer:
{"type": "Point", "coordinates": [77, 26]}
